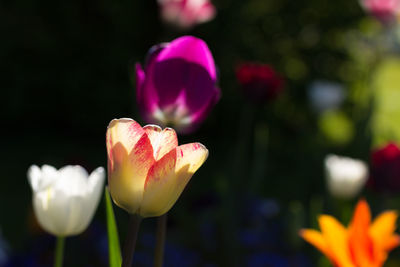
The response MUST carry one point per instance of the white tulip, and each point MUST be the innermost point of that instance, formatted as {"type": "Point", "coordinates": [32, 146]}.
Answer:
{"type": "Point", "coordinates": [65, 200]}
{"type": "Point", "coordinates": [345, 176]}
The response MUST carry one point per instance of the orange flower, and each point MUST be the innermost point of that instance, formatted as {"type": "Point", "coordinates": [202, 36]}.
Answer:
{"type": "Point", "coordinates": [362, 244]}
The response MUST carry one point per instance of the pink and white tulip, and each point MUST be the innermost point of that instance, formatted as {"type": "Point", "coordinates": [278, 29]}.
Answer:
{"type": "Point", "coordinates": [147, 170]}
{"type": "Point", "coordinates": [185, 14]}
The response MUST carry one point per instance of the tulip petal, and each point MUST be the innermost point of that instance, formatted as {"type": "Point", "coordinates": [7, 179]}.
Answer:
{"type": "Point", "coordinates": [336, 237]}
{"type": "Point", "coordinates": [185, 71]}
{"type": "Point", "coordinates": [126, 180]}
{"type": "Point", "coordinates": [200, 90]}
{"type": "Point", "coordinates": [206, 12]}
{"type": "Point", "coordinates": [59, 213]}
{"type": "Point", "coordinates": [94, 191]}
{"type": "Point", "coordinates": [200, 115]}
{"type": "Point", "coordinates": [316, 239]}
{"type": "Point", "coordinates": [34, 175]}
{"type": "Point", "coordinates": [169, 176]}
{"type": "Point", "coordinates": [140, 78]}
{"type": "Point", "coordinates": [40, 178]}
{"type": "Point", "coordinates": [127, 133]}
{"type": "Point", "coordinates": [160, 187]}
{"type": "Point", "coordinates": [190, 157]}
{"type": "Point", "coordinates": [146, 93]}
{"type": "Point", "coordinates": [383, 226]}
{"type": "Point", "coordinates": [359, 240]}
{"type": "Point", "coordinates": [163, 141]}
{"type": "Point", "coordinates": [382, 234]}
{"type": "Point", "coordinates": [72, 180]}
{"type": "Point", "coordinates": [190, 49]}
{"type": "Point", "coordinates": [152, 54]}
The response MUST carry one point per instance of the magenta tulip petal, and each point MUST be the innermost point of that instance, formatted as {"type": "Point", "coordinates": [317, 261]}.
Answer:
{"type": "Point", "coordinates": [140, 78]}
{"type": "Point", "coordinates": [202, 113]}
{"type": "Point", "coordinates": [179, 80]}
{"type": "Point", "coordinates": [200, 89]}
{"type": "Point", "coordinates": [190, 49]}
{"type": "Point", "coordinates": [179, 84]}
{"type": "Point", "coordinates": [153, 53]}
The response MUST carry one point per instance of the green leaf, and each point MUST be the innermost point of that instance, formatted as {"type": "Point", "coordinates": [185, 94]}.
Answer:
{"type": "Point", "coordinates": [114, 251]}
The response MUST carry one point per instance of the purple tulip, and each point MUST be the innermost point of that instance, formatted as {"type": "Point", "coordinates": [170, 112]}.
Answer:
{"type": "Point", "coordinates": [177, 86]}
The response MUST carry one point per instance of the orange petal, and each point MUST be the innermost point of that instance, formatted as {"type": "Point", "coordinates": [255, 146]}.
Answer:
{"type": "Point", "coordinates": [382, 234]}
{"type": "Point", "coordinates": [163, 141]}
{"type": "Point", "coordinates": [169, 176]}
{"type": "Point", "coordinates": [392, 242]}
{"type": "Point", "coordinates": [383, 226]}
{"type": "Point", "coordinates": [316, 239]}
{"type": "Point", "coordinates": [359, 239]}
{"type": "Point", "coordinates": [336, 238]}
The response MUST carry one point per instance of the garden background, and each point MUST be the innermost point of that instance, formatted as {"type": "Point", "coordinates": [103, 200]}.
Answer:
{"type": "Point", "coordinates": [67, 69]}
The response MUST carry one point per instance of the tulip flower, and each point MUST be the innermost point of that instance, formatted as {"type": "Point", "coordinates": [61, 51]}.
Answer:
{"type": "Point", "coordinates": [259, 82]}
{"type": "Point", "coordinates": [385, 169]}
{"type": "Point", "coordinates": [384, 10]}
{"type": "Point", "coordinates": [177, 86]}
{"type": "Point", "coordinates": [147, 170]}
{"type": "Point", "coordinates": [345, 176]}
{"type": "Point", "coordinates": [362, 244]}
{"type": "Point", "coordinates": [184, 14]}
{"type": "Point", "coordinates": [65, 200]}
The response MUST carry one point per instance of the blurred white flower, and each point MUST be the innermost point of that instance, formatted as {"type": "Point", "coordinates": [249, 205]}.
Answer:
{"type": "Point", "coordinates": [325, 95]}
{"type": "Point", "coordinates": [185, 14]}
{"type": "Point", "coordinates": [345, 176]}
{"type": "Point", "coordinates": [65, 200]}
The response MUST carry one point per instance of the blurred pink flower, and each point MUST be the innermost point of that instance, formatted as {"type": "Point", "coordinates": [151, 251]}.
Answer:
{"type": "Point", "coordinates": [185, 14]}
{"type": "Point", "coordinates": [385, 169]}
{"type": "Point", "coordinates": [177, 86]}
{"type": "Point", "coordinates": [260, 82]}
{"type": "Point", "coordinates": [384, 10]}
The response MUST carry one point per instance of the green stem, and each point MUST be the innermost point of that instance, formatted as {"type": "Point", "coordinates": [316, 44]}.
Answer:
{"type": "Point", "coordinates": [160, 240]}
{"type": "Point", "coordinates": [130, 242]}
{"type": "Point", "coordinates": [59, 252]}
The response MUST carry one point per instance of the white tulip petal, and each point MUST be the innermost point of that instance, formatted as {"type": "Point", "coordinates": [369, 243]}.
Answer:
{"type": "Point", "coordinates": [65, 200]}
{"type": "Point", "coordinates": [77, 213]}
{"type": "Point", "coordinates": [50, 209]}
{"type": "Point", "coordinates": [34, 175]}
{"type": "Point", "coordinates": [95, 190]}
{"type": "Point", "coordinates": [345, 176]}
{"type": "Point", "coordinates": [73, 180]}
{"type": "Point", "coordinates": [49, 175]}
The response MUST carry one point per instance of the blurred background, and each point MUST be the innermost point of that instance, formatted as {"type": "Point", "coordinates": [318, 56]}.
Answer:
{"type": "Point", "coordinates": [67, 69]}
